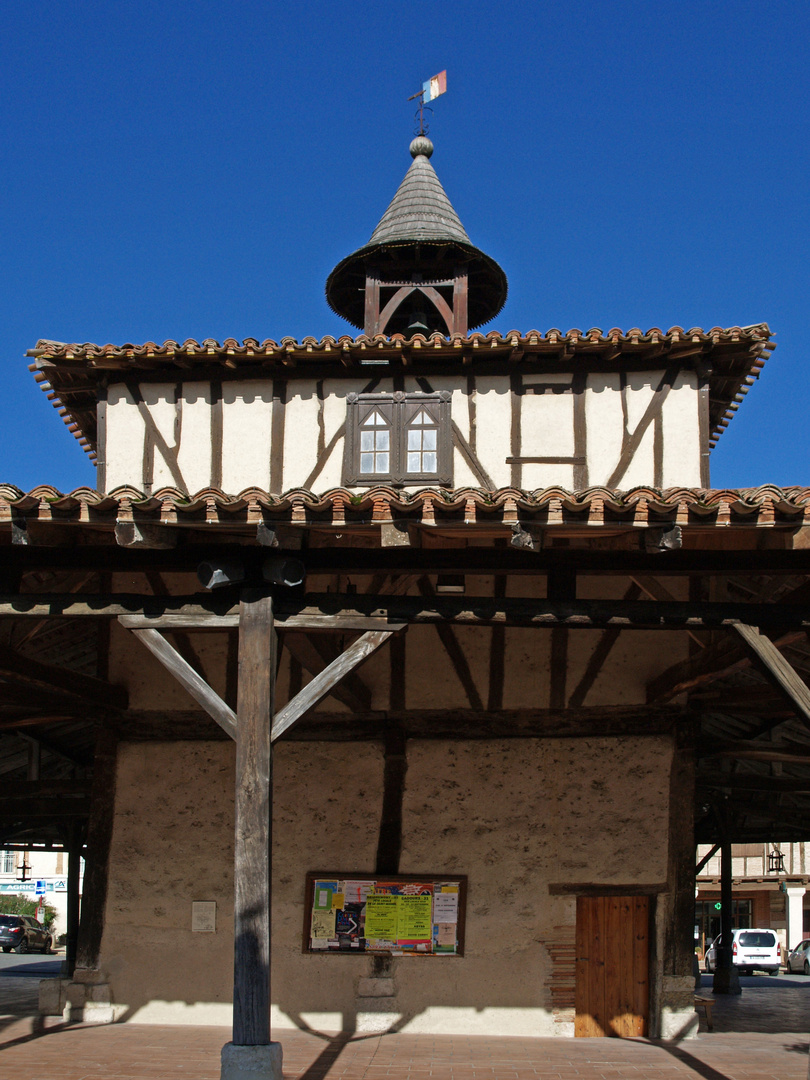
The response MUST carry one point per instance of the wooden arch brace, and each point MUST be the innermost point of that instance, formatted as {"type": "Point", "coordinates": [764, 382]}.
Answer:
{"type": "Point", "coordinates": [428, 291]}
{"type": "Point", "coordinates": [307, 698]}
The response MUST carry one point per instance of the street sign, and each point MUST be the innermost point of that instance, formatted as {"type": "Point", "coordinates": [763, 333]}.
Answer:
{"type": "Point", "coordinates": [41, 888]}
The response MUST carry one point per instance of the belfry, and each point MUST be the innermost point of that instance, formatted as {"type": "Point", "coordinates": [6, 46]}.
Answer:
{"type": "Point", "coordinates": [419, 272]}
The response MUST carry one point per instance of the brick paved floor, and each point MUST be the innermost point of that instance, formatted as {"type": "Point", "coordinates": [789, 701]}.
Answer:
{"type": "Point", "coordinates": [761, 1035]}
{"type": "Point", "coordinates": [30, 1051]}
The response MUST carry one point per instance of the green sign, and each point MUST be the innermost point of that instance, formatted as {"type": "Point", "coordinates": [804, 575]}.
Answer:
{"type": "Point", "coordinates": [718, 906]}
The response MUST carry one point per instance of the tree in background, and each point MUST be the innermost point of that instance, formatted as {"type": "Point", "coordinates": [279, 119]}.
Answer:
{"type": "Point", "coordinates": [21, 905]}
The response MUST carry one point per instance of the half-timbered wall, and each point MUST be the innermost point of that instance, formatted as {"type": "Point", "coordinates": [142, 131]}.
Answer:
{"type": "Point", "coordinates": [617, 429]}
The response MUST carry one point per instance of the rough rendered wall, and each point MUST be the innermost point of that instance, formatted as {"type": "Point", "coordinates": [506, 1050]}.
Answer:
{"type": "Point", "coordinates": [514, 815]}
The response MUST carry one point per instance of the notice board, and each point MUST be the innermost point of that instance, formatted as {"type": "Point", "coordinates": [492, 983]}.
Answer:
{"type": "Point", "coordinates": [396, 915]}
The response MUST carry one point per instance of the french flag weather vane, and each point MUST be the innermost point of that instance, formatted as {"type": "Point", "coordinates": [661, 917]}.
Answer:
{"type": "Point", "coordinates": [431, 89]}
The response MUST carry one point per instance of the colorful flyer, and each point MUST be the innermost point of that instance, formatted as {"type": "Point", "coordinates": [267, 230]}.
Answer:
{"type": "Point", "coordinates": [322, 896]}
{"type": "Point", "coordinates": [382, 917]}
{"type": "Point", "coordinates": [355, 892]}
{"type": "Point", "coordinates": [415, 922]}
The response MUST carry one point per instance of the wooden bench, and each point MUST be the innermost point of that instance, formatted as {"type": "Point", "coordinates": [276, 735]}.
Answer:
{"type": "Point", "coordinates": [708, 1005]}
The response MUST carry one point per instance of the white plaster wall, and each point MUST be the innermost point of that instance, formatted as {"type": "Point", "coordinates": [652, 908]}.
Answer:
{"type": "Point", "coordinates": [493, 423]}
{"type": "Point", "coordinates": [246, 425]}
{"type": "Point", "coordinates": [125, 435]}
{"type": "Point", "coordinates": [604, 424]}
{"type": "Point", "coordinates": [681, 422]}
{"type": "Point", "coordinates": [194, 455]}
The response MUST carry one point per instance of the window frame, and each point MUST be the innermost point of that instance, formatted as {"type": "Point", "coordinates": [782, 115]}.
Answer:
{"type": "Point", "coordinates": [400, 409]}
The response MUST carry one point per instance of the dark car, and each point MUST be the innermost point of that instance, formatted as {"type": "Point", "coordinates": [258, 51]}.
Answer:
{"type": "Point", "coordinates": [22, 933]}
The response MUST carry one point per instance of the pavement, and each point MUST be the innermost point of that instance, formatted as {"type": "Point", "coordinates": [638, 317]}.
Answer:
{"type": "Point", "coordinates": [761, 1035]}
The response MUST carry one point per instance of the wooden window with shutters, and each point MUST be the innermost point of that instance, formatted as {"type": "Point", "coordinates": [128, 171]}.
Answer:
{"type": "Point", "coordinates": [399, 439]}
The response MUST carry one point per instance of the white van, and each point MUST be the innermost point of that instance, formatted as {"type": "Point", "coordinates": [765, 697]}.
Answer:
{"type": "Point", "coordinates": [752, 950]}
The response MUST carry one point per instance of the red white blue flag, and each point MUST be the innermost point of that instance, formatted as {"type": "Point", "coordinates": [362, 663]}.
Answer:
{"type": "Point", "coordinates": [435, 86]}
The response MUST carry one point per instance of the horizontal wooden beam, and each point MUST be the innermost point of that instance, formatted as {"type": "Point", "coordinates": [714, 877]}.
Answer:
{"type": "Point", "coordinates": [307, 623]}
{"type": "Point", "coordinates": [750, 782]}
{"type": "Point", "coordinates": [362, 560]}
{"type": "Point", "coordinates": [36, 808]}
{"type": "Point", "coordinates": [16, 789]}
{"type": "Point", "coordinates": [746, 751]}
{"type": "Point", "coordinates": [334, 611]}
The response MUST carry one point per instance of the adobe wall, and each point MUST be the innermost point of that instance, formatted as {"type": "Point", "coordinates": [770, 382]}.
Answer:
{"type": "Point", "coordinates": [514, 815]}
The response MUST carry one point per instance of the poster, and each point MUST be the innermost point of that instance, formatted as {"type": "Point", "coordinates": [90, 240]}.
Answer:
{"type": "Point", "coordinates": [397, 915]}
{"type": "Point", "coordinates": [382, 917]}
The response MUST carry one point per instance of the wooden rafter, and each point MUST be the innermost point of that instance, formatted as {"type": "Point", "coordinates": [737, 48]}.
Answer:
{"type": "Point", "coordinates": [32, 675]}
{"type": "Point", "coordinates": [713, 663]}
{"type": "Point", "coordinates": [777, 670]}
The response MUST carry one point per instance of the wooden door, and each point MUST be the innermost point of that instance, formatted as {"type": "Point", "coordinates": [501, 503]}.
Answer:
{"type": "Point", "coordinates": [612, 978]}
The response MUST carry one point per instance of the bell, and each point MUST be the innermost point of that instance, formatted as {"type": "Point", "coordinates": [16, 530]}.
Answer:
{"type": "Point", "coordinates": [418, 323]}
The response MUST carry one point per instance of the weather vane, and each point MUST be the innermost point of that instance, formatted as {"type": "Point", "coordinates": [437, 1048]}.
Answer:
{"type": "Point", "coordinates": [430, 90]}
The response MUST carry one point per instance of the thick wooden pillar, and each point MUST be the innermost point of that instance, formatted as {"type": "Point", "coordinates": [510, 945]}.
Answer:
{"type": "Point", "coordinates": [99, 839]}
{"type": "Point", "coordinates": [254, 812]}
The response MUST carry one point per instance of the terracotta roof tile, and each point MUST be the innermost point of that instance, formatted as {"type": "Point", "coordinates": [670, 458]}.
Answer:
{"type": "Point", "coordinates": [463, 507]}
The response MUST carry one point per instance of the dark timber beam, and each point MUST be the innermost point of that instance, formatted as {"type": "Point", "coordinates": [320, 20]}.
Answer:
{"type": "Point", "coordinates": [333, 559]}
{"type": "Point", "coordinates": [30, 674]}
{"type": "Point", "coordinates": [334, 611]}
{"type": "Point", "coordinates": [777, 670]}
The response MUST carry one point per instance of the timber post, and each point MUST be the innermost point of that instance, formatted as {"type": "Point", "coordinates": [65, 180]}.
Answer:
{"type": "Point", "coordinates": [251, 1052]}
{"type": "Point", "coordinates": [726, 978]}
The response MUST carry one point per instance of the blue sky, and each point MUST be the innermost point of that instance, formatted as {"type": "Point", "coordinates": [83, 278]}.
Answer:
{"type": "Point", "coordinates": [196, 169]}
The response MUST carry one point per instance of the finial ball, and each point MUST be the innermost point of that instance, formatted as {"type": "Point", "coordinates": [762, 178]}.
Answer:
{"type": "Point", "coordinates": [421, 145]}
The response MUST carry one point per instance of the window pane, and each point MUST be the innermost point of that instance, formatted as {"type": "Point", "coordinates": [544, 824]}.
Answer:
{"type": "Point", "coordinates": [429, 439]}
{"type": "Point", "coordinates": [429, 463]}
{"type": "Point", "coordinates": [414, 439]}
{"type": "Point", "coordinates": [366, 463]}
{"type": "Point", "coordinates": [414, 463]}
{"type": "Point", "coordinates": [382, 440]}
{"type": "Point", "coordinates": [366, 440]}
{"type": "Point", "coordinates": [382, 463]}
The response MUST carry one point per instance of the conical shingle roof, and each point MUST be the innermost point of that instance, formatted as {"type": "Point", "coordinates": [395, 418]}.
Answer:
{"type": "Point", "coordinates": [420, 210]}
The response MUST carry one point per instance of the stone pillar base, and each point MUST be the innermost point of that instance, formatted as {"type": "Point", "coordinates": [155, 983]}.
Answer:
{"type": "Point", "coordinates": [678, 1017]}
{"type": "Point", "coordinates": [76, 1002]}
{"type": "Point", "coordinates": [726, 981]}
{"type": "Point", "coordinates": [251, 1062]}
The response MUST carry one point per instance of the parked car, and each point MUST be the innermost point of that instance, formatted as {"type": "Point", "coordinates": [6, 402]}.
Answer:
{"type": "Point", "coordinates": [752, 949]}
{"type": "Point", "coordinates": [23, 933]}
{"type": "Point", "coordinates": [798, 959]}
